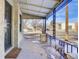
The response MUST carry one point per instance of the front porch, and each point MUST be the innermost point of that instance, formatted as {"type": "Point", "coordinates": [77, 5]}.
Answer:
{"type": "Point", "coordinates": [29, 30]}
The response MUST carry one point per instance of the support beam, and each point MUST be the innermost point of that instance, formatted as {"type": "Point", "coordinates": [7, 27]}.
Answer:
{"type": "Point", "coordinates": [28, 16]}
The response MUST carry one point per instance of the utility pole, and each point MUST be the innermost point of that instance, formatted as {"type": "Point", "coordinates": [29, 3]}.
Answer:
{"type": "Point", "coordinates": [67, 21]}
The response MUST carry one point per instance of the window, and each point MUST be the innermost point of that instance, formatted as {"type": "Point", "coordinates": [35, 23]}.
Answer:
{"type": "Point", "coordinates": [59, 26]}
{"type": "Point", "coordinates": [70, 27]}
{"type": "Point", "coordinates": [20, 23]}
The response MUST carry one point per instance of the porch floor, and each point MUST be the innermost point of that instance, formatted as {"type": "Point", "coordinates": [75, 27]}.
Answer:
{"type": "Point", "coordinates": [31, 50]}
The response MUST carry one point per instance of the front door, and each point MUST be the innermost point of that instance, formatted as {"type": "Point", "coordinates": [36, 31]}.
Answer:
{"type": "Point", "coordinates": [8, 19]}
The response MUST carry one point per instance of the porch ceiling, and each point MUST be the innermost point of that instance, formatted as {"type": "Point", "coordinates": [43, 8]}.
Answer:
{"type": "Point", "coordinates": [38, 7]}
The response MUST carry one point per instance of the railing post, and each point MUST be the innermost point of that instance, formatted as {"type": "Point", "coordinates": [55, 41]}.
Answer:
{"type": "Point", "coordinates": [77, 49]}
{"type": "Point", "coordinates": [71, 48]}
{"type": "Point", "coordinates": [67, 47]}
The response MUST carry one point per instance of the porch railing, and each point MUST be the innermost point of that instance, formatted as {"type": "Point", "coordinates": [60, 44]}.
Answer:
{"type": "Point", "coordinates": [69, 47]}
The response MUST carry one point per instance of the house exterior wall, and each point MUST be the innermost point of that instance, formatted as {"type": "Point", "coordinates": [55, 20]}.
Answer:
{"type": "Point", "coordinates": [19, 33]}
{"type": "Point", "coordinates": [2, 29]}
{"type": "Point", "coordinates": [63, 27]}
{"type": "Point", "coordinates": [15, 25]}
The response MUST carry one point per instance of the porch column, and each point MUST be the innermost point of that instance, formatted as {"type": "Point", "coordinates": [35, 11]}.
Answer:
{"type": "Point", "coordinates": [44, 26]}
{"type": "Point", "coordinates": [43, 35]}
{"type": "Point", "coordinates": [54, 24]}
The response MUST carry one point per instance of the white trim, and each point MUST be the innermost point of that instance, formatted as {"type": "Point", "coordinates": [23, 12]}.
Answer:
{"type": "Point", "coordinates": [8, 51]}
{"type": "Point", "coordinates": [10, 2]}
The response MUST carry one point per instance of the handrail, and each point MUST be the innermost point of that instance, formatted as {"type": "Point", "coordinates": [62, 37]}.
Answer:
{"type": "Point", "coordinates": [65, 44]}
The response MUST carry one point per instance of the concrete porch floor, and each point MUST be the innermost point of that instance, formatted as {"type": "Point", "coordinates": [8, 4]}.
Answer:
{"type": "Point", "coordinates": [30, 50]}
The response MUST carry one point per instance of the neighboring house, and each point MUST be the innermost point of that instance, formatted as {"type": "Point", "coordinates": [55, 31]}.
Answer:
{"type": "Point", "coordinates": [71, 27]}
{"type": "Point", "coordinates": [61, 27]}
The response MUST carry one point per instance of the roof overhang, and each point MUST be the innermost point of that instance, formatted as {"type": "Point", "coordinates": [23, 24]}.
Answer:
{"type": "Point", "coordinates": [38, 7]}
{"type": "Point", "coordinates": [41, 8]}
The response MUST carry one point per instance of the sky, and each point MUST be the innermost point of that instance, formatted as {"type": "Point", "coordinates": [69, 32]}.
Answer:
{"type": "Point", "coordinates": [73, 13]}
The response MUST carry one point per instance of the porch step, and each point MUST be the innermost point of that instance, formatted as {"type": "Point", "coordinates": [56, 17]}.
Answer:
{"type": "Point", "coordinates": [13, 53]}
